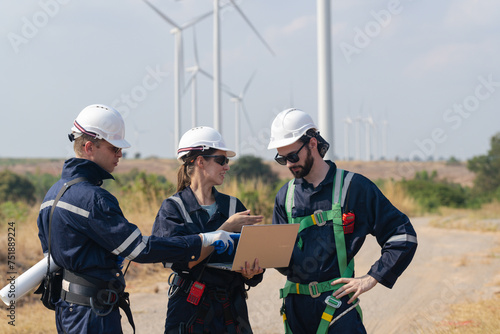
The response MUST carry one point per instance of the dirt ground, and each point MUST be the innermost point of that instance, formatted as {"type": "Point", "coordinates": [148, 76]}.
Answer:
{"type": "Point", "coordinates": [450, 266]}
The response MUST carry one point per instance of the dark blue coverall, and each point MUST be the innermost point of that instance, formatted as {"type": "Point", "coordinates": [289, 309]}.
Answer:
{"type": "Point", "coordinates": [90, 235]}
{"type": "Point", "coordinates": [317, 261]}
{"type": "Point", "coordinates": [170, 222]}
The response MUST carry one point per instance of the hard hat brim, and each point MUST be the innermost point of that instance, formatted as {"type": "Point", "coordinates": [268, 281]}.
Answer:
{"type": "Point", "coordinates": [120, 143]}
{"type": "Point", "coordinates": [281, 143]}
{"type": "Point", "coordinates": [230, 153]}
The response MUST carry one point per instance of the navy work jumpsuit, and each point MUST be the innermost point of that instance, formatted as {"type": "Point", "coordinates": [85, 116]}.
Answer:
{"type": "Point", "coordinates": [90, 235]}
{"type": "Point", "coordinates": [209, 318]}
{"type": "Point", "coordinates": [317, 261]}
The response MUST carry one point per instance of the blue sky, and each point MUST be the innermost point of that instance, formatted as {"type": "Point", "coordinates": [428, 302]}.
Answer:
{"type": "Point", "coordinates": [429, 69]}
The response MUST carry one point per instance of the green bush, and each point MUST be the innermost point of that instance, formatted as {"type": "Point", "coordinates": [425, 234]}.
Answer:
{"type": "Point", "coordinates": [151, 186]}
{"type": "Point", "coordinates": [42, 183]}
{"type": "Point", "coordinates": [487, 168]}
{"type": "Point", "coordinates": [250, 167]}
{"type": "Point", "coordinates": [432, 193]}
{"type": "Point", "coordinates": [13, 211]}
{"type": "Point", "coordinates": [14, 187]}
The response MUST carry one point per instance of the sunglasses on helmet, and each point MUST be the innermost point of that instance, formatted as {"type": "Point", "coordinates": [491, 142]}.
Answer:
{"type": "Point", "coordinates": [220, 159]}
{"type": "Point", "coordinates": [292, 157]}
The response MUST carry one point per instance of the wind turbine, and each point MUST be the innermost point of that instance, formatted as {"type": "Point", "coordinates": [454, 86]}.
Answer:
{"type": "Point", "coordinates": [357, 124]}
{"type": "Point", "coordinates": [325, 87]}
{"type": "Point", "coordinates": [347, 124]}
{"type": "Point", "coordinates": [239, 106]}
{"type": "Point", "coordinates": [192, 82]}
{"type": "Point", "coordinates": [217, 69]}
{"type": "Point", "coordinates": [385, 123]}
{"type": "Point", "coordinates": [137, 137]}
{"type": "Point", "coordinates": [178, 64]}
{"type": "Point", "coordinates": [368, 124]}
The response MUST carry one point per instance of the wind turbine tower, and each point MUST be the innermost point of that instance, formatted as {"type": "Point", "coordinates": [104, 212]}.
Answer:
{"type": "Point", "coordinates": [178, 65]}
{"type": "Point", "coordinates": [325, 90]}
{"type": "Point", "coordinates": [368, 123]}
{"type": "Point", "coordinates": [357, 138]}
{"type": "Point", "coordinates": [240, 107]}
{"type": "Point", "coordinates": [217, 52]}
{"type": "Point", "coordinates": [347, 124]}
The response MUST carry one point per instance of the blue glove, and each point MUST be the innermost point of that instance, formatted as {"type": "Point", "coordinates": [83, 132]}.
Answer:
{"type": "Point", "coordinates": [221, 240]}
{"type": "Point", "coordinates": [219, 244]}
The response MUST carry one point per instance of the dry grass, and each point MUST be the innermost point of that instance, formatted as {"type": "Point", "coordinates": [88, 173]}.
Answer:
{"type": "Point", "coordinates": [486, 219]}
{"type": "Point", "coordinates": [400, 199]}
{"type": "Point", "coordinates": [482, 317]}
{"type": "Point", "coordinates": [254, 194]}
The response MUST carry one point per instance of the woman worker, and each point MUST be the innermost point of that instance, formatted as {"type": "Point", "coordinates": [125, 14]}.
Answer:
{"type": "Point", "coordinates": [204, 299]}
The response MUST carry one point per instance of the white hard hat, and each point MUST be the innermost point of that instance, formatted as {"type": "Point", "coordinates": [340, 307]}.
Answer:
{"type": "Point", "coordinates": [202, 138]}
{"type": "Point", "coordinates": [101, 122]}
{"type": "Point", "coordinates": [288, 126]}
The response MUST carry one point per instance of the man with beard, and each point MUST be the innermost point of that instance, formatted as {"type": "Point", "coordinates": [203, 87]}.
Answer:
{"type": "Point", "coordinates": [336, 209]}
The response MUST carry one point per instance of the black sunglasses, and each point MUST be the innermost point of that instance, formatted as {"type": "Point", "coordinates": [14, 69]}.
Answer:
{"type": "Point", "coordinates": [292, 157]}
{"type": "Point", "coordinates": [220, 159]}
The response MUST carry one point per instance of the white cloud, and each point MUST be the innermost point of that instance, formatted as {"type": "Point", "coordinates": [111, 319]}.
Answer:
{"type": "Point", "coordinates": [467, 14]}
{"type": "Point", "coordinates": [441, 58]}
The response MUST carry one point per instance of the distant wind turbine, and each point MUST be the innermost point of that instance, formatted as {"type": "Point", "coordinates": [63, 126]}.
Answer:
{"type": "Point", "coordinates": [357, 124]}
{"type": "Point", "coordinates": [217, 53]}
{"type": "Point", "coordinates": [368, 124]}
{"type": "Point", "coordinates": [347, 124]}
{"type": "Point", "coordinates": [239, 106]}
{"type": "Point", "coordinates": [178, 64]}
{"type": "Point", "coordinates": [192, 82]}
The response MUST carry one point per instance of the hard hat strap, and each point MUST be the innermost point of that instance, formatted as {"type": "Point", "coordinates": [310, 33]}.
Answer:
{"type": "Point", "coordinates": [82, 129]}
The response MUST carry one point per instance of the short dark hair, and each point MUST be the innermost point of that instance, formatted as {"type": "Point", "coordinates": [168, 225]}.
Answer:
{"type": "Point", "coordinates": [323, 145]}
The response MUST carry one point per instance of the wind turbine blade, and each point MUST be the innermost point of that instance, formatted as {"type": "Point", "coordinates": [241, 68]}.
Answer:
{"type": "Point", "coordinates": [252, 27]}
{"type": "Point", "coordinates": [188, 84]}
{"type": "Point", "coordinates": [165, 17]}
{"type": "Point", "coordinates": [196, 20]}
{"type": "Point", "coordinates": [248, 83]}
{"type": "Point", "coordinates": [228, 92]}
{"type": "Point", "coordinates": [205, 73]}
{"type": "Point", "coordinates": [244, 109]}
{"type": "Point", "coordinates": [195, 45]}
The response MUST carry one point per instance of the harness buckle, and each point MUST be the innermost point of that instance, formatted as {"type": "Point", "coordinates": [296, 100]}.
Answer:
{"type": "Point", "coordinates": [106, 297]}
{"type": "Point", "coordinates": [318, 217]}
{"type": "Point", "coordinates": [314, 286]}
{"type": "Point", "coordinates": [333, 302]}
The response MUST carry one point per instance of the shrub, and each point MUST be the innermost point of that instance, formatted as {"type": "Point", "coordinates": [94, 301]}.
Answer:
{"type": "Point", "coordinates": [14, 187]}
{"type": "Point", "coordinates": [432, 193]}
{"type": "Point", "coordinates": [250, 167]}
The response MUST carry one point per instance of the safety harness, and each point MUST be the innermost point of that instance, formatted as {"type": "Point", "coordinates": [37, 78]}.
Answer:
{"type": "Point", "coordinates": [204, 314]}
{"type": "Point", "coordinates": [101, 296]}
{"type": "Point", "coordinates": [319, 218]}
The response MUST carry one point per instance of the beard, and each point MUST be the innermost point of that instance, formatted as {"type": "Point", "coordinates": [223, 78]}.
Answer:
{"type": "Point", "coordinates": [304, 170]}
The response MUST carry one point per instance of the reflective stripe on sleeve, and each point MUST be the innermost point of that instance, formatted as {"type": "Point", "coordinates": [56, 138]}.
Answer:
{"type": "Point", "coordinates": [127, 242]}
{"type": "Point", "coordinates": [232, 206]}
{"type": "Point", "coordinates": [73, 209]}
{"type": "Point", "coordinates": [403, 237]}
{"type": "Point", "coordinates": [139, 248]}
{"type": "Point", "coordinates": [184, 212]}
{"type": "Point", "coordinates": [66, 206]}
{"type": "Point", "coordinates": [46, 204]}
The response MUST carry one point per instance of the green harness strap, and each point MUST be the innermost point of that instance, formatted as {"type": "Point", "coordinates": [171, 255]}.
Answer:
{"type": "Point", "coordinates": [319, 218]}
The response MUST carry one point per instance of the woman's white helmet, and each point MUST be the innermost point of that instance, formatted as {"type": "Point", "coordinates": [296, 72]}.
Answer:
{"type": "Point", "coordinates": [288, 126]}
{"type": "Point", "coordinates": [101, 122]}
{"type": "Point", "coordinates": [202, 138]}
